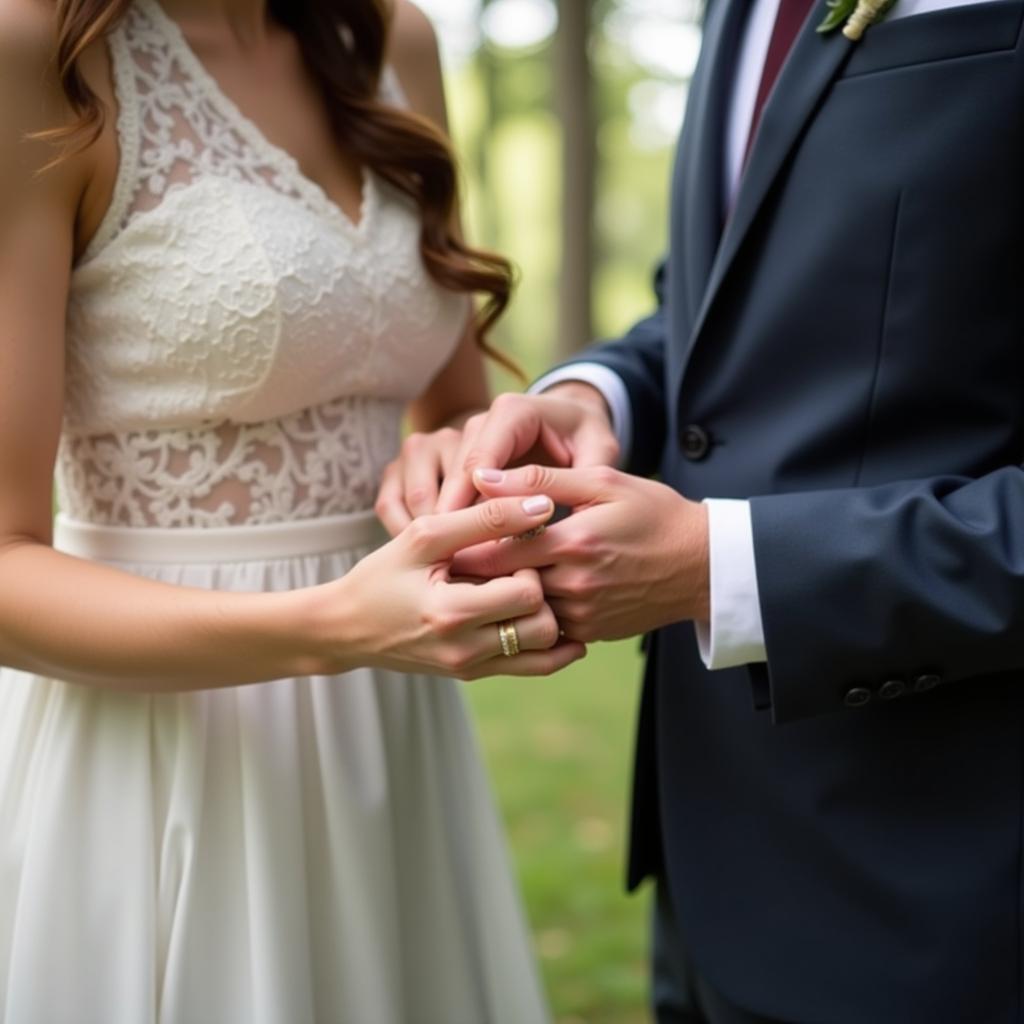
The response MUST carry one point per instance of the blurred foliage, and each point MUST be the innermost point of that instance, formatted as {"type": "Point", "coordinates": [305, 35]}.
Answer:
{"type": "Point", "coordinates": [559, 752]}
{"type": "Point", "coordinates": [508, 140]}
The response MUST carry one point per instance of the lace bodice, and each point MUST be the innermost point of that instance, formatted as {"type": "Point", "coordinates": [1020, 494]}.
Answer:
{"type": "Point", "coordinates": [238, 349]}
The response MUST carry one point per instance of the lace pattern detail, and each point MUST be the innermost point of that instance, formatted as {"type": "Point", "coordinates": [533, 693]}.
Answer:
{"type": "Point", "coordinates": [176, 125]}
{"type": "Point", "coordinates": [324, 461]}
{"type": "Point", "coordinates": [239, 350]}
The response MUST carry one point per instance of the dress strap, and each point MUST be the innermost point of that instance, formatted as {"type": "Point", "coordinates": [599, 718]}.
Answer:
{"type": "Point", "coordinates": [176, 125]}
{"type": "Point", "coordinates": [126, 98]}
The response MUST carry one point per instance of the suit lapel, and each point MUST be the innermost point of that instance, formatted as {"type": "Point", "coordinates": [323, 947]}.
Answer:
{"type": "Point", "coordinates": [700, 162]}
{"type": "Point", "coordinates": [812, 65]}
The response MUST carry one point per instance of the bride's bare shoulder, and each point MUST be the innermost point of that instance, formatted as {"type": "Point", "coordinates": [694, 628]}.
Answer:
{"type": "Point", "coordinates": [31, 98]}
{"type": "Point", "coordinates": [28, 45]}
{"type": "Point", "coordinates": [28, 36]}
{"type": "Point", "coordinates": [413, 53]}
{"type": "Point", "coordinates": [411, 28]}
{"type": "Point", "coordinates": [32, 101]}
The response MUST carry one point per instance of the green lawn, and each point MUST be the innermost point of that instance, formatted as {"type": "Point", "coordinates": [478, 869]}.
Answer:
{"type": "Point", "coordinates": [560, 755]}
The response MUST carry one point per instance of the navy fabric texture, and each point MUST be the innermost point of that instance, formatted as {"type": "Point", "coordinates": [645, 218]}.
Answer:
{"type": "Point", "coordinates": [845, 347]}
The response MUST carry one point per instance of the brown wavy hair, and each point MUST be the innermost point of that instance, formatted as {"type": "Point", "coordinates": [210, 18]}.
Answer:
{"type": "Point", "coordinates": [343, 44]}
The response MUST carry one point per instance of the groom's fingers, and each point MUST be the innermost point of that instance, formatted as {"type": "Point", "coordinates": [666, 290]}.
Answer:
{"type": "Point", "coordinates": [457, 490]}
{"type": "Point", "coordinates": [595, 446]}
{"type": "Point", "coordinates": [510, 429]}
{"type": "Point", "coordinates": [435, 538]}
{"type": "Point", "coordinates": [571, 487]}
{"type": "Point", "coordinates": [503, 558]}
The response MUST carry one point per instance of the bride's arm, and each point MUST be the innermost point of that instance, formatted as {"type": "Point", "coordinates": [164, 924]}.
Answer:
{"type": "Point", "coordinates": [460, 389]}
{"type": "Point", "coordinates": [95, 625]}
{"type": "Point", "coordinates": [411, 484]}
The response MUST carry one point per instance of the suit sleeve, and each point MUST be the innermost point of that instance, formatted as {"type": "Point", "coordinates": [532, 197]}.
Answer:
{"type": "Point", "coordinates": [879, 594]}
{"type": "Point", "coordinates": [638, 359]}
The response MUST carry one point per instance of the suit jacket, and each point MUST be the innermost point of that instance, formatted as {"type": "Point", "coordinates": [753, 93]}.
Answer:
{"type": "Point", "coordinates": [841, 831]}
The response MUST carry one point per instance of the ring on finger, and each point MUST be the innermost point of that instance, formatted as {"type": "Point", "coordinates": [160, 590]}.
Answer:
{"type": "Point", "coordinates": [531, 534]}
{"type": "Point", "coordinates": [508, 637]}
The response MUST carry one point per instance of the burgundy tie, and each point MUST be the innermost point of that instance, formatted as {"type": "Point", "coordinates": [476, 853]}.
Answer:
{"type": "Point", "coordinates": [791, 16]}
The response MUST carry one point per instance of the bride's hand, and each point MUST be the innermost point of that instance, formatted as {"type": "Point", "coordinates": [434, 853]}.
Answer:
{"type": "Point", "coordinates": [411, 484]}
{"type": "Point", "coordinates": [400, 608]}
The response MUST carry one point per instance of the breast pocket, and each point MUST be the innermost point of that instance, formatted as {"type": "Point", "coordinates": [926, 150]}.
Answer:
{"type": "Point", "coordinates": [954, 33]}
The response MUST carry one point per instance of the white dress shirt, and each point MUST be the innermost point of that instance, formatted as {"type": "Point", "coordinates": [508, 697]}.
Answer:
{"type": "Point", "coordinates": [735, 633]}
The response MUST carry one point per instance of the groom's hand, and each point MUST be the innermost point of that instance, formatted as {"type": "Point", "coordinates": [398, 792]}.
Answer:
{"type": "Point", "coordinates": [632, 557]}
{"type": "Point", "coordinates": [568, 425]}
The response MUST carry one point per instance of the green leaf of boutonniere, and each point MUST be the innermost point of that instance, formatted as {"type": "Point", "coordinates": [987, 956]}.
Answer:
{"type": "Point", "coordinates": [855, 16]}
{"type": "Point", "coordinates": [838, 13]}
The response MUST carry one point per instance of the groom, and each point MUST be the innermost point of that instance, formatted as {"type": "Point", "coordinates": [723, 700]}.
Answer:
{"type": "Point", "coordinates": [830, 765]}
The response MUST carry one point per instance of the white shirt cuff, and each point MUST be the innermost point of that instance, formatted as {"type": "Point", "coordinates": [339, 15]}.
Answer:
{"type": "Point", "coordinates": [735, 635]}
{"type": "Point", "coordinates": [613, 390]}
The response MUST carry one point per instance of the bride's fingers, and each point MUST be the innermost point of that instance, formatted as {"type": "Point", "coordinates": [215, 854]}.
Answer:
{"type": "Point", "coordinates": [457, 490]}
{"type": "Point", "coordinates": [431, 540]}
{"type": "Point", "coordinates": [537, 632]}
{"type": "Point", "coordinates": [449, 459]}
{"type": "Point", "coordinates": [421, 473]}
{"type": "Point", "coordinates": [529, 663]}
{"type": "Point", "coordinates": [507, 597]}
{"type": "Point", "coordinates": [411, 484]}
{"type": "Point", "coordinates": [390, 505]}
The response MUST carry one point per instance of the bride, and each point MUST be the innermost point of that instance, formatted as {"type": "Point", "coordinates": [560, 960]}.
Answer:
{"type": "Point", "coordinates": [227, 265]}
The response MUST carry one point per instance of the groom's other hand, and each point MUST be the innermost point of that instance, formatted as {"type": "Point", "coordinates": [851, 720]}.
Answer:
{"type": "Point", "coordinates": [632, 557]}
{"type": "Point", "coordinates": [566, 426]}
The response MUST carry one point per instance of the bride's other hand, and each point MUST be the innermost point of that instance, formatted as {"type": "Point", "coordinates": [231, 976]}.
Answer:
{"type": "Point", "coordinates": [401, 609]}
{"type": "Point", "coordinates": [411, 484]}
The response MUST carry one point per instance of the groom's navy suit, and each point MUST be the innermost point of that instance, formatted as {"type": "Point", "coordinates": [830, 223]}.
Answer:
{"type": "Point", "coordinates": [842, 830]}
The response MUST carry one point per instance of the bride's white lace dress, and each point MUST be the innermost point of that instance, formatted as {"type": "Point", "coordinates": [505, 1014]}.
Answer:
{"type": "Point", "coordinates": [311, 851]}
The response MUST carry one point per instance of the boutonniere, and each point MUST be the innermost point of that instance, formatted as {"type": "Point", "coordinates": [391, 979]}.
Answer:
{"type": "Point", "coordinates": [854, 15]}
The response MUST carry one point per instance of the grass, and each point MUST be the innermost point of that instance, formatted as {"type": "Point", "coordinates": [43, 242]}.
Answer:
{"type": "Point", "coordinates": [560, 756]}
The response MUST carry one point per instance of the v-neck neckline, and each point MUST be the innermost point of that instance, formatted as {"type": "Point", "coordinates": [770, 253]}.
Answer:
{"type": "Point", "coordinates": [277, 157]}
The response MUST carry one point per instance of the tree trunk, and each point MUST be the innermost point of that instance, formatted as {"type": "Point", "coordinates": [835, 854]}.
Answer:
{"type": "Point", "coordinates": [489, 224]}
{"type": "Point", "coordinates": [575, 107]}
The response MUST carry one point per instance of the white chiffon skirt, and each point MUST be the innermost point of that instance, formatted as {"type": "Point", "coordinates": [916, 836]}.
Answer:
{"type": "Point", "coordinates": [307, 851]}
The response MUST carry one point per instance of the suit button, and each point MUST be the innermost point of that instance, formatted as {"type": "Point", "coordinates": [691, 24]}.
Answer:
{"type": "Point", "coordinates": [857, 697]}
{"type": "Point", "coordinates": [695, 442]}
{"type": "Point", "coordinates": [927, 682]}
{"type": "Point", "coordinates": [892, 689]}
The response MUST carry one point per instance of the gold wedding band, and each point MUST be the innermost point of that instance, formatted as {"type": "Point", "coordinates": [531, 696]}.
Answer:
{"type": "Point", "coordinates": [531, 534]}
{"type": "Point", "coordinates": [508, 637]}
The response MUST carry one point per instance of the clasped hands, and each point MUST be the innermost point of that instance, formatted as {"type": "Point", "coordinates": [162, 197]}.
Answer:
{"type": "Point", "coordinates": [631, 555]}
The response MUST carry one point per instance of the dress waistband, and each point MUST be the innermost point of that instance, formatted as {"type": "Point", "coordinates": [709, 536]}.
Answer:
{"type": "Point", "coordinates": [217, 544]}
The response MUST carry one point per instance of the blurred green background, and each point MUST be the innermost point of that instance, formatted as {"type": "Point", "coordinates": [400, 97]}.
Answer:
{"type": "Point", "coordinates": [535, 88]}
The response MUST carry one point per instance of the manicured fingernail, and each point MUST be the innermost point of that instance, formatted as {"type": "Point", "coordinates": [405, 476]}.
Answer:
{"type": "Point", "coordinates": [490, 476]}
{"type": "Point", "coordinates": [537, 506]}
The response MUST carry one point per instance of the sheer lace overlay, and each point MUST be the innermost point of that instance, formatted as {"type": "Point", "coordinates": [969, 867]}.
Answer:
{"type": "Point", "coordinates": [239, 350]}
{"type": "Point", "coordinates": [307, 465]}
